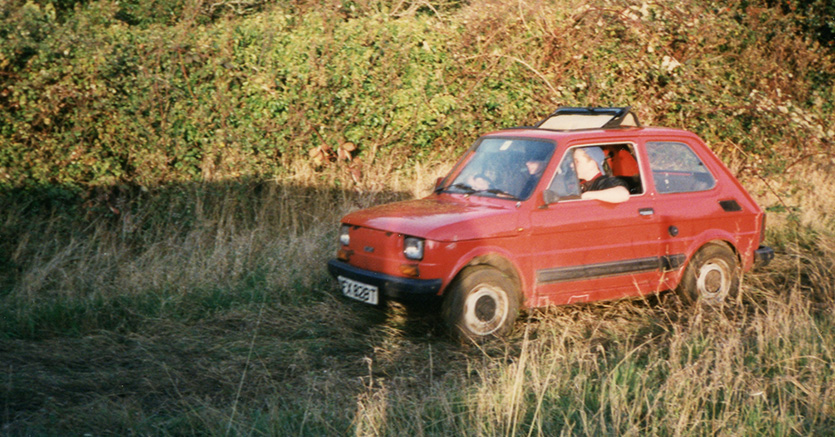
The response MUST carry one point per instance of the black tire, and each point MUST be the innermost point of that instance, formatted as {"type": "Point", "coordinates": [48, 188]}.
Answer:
{"type": "Point", "coordinates": [711, 277]}
{"type": "Point", "coordinates": [482, 302]}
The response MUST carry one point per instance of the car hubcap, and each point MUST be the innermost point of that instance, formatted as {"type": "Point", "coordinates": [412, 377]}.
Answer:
{"type": "Point", "coordinates": [713, 282]}
{"type": "Point", "coordinates": [485, 310]}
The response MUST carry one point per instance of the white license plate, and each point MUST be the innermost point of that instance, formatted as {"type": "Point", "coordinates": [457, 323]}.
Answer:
{"type": "Point", "coordinates": [358, 290]}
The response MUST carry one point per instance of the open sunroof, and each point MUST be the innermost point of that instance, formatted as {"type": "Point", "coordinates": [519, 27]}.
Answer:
{"type": "Point", "coordinates": [571, 118]}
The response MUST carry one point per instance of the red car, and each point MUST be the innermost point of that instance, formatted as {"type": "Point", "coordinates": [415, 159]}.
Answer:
{"type": "Point", "coordinates": [586, 205]}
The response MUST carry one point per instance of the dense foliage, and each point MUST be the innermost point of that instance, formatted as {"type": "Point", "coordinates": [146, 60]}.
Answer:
{"type": "Point", "coordinates": [815, 17]}
{"type": "Point", "coordinates": [147, 92]}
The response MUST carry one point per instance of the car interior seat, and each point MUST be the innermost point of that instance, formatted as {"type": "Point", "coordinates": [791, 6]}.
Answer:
{"type": "Point", "coordinates": [624, 166]}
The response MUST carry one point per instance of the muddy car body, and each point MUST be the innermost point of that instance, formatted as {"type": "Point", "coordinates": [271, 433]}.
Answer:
{"type": "Point", "coordinates": [507, 227]}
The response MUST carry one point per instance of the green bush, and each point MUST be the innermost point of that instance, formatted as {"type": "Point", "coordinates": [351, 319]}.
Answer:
{"type": "Point", "coordinates": [94, 98]}
{"type": "Point", "coordinates": [815, 17]}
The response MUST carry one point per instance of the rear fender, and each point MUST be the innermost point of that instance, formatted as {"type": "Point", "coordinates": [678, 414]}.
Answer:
{"type": "Point", "coordinates": [743, 246]}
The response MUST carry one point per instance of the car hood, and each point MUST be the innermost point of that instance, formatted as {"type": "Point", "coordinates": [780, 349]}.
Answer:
{"type": "Point", "coordinates": [440, 218]}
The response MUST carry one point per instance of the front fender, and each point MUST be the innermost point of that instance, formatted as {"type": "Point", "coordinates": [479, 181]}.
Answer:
{"type": "Point", "coordinates": [494, 255]}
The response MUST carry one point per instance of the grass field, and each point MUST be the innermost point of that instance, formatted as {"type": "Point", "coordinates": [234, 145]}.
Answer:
{"type": "Point", "coordinates": [207, 309]}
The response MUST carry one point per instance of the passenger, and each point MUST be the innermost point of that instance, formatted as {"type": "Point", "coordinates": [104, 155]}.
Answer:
{"type": "Point", "coordinates": [535, 167]}
{"type": "Point", "coordinates": [531, 173]}
{"type": "Point", "coordinates": [594, 184]}
{"type": "Point", "coordinates": [535, 160]}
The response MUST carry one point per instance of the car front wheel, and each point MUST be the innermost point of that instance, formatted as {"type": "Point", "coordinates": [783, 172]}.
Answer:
{"type": "Point", "coordinates": [481, 302]}
{"type": "Point", "coordinates": [711, 277]}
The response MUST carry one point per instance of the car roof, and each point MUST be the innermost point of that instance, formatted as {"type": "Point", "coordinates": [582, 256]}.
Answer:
{"type": "Point", "coordinates": [569, 123]}
{"type": "Point", "coordinates": [618, 134]}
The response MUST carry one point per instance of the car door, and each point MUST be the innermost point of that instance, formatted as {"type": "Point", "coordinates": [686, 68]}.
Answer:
{"type": "Point", "coordinates": [587, 250]}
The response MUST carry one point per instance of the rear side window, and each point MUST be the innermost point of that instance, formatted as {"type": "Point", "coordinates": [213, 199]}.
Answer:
{"type": "Point", "coordinates": [676, 169]}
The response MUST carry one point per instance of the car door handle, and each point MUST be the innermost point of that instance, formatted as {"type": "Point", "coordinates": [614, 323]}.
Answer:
{"type": "Point", "coordinates": [646, 211]}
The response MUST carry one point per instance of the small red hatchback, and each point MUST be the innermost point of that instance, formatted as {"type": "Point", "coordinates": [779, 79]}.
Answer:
{"type": "Point", "coordinates": [587, 205]}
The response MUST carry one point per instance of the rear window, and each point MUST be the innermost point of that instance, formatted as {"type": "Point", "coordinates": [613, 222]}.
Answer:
{"type": "Point", "coordinates": [677, 169]}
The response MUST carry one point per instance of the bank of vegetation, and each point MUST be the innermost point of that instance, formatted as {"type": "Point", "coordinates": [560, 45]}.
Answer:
{"type": "Point", "coordinates": [172, 175]}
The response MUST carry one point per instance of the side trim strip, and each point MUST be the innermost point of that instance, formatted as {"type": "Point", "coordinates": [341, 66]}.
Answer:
{"type": "Point", "coordinates": [602, 270]}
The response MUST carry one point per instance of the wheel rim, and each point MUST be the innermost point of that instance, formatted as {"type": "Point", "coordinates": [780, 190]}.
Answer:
{"type": "Point", "coordinates": [485, 310]}
{"type": "Point", "coordinates": [714, 281]}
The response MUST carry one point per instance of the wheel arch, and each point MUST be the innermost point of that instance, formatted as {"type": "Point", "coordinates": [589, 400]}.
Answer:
{"type": "Point", "coordinates": [673, 281]}
{"type": "Point", "coordinates": [500, 263]}
{"type": "Point", "coordinates": [715, 237]}
{"type": "Point", "coordinates": [713, 242]}
{"type": "Point", "coordinates": [718, 242]}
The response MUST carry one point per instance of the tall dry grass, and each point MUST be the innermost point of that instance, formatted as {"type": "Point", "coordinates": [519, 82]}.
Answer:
{"type": "Point", "coordinates": [206, 309]}
{"type": "Point", "coordinates": [181, 250]}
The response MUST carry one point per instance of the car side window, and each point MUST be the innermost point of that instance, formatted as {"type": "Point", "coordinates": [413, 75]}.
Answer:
{"type": "Point", "coordinates": [677, 169]}
{"type": "Point", "coordinates": [565, 182]}
{"type": "Point", "coordinates": [618, 160]}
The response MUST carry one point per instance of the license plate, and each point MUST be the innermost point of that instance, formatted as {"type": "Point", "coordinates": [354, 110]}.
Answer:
{"type": "Point", "coordinates": [358, 290]}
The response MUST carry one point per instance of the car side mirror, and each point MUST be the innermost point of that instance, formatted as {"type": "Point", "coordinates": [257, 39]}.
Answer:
{"type": "Point", "coordinates": [550, 197]}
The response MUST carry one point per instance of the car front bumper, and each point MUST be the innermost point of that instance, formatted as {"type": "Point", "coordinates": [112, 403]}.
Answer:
{"type": "Point", "coordinates": [393, 287]}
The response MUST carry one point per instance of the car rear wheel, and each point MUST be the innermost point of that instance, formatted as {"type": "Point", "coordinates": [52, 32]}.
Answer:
{"type": "Point", "coordinates": [482, 302]}
{"type": "Point", "coordinates": [711, 277]}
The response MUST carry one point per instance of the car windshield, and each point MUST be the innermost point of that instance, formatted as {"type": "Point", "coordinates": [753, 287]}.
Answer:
{"type": "Point", "coordinates": [503, 167]}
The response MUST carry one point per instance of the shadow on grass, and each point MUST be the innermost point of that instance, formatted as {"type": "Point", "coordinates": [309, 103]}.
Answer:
{"type": "Point", "coordinates": [187, 308]}
{"type": "Point", "coordinates": [197, 309]}
{"type": "Point", "coordinates": [74, 262]}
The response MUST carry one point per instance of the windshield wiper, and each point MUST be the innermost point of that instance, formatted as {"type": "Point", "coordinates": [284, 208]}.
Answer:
{"type": "Point", "coordinates": [498, 192]}
{"type": "Point", "coordinates": [465, 187]}
{"type": "Point", "coordinates": [470, 190]}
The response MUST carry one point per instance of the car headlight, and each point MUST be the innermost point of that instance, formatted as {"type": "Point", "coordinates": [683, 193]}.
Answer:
{"type": "Point", "coordinates": [344, 235]}
{"type": "Point", "coordinates": [413, 248]}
